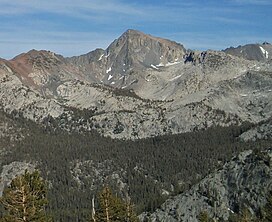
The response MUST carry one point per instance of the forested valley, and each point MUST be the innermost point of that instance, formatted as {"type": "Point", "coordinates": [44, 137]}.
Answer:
{"type": "Point", "coordinates": [147, 171]}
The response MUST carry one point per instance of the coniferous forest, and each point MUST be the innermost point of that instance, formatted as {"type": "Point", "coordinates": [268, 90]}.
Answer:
{"type": "Point", "coordinates": [145, 167]}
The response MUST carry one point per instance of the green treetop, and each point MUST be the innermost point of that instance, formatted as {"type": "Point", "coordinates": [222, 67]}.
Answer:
{"type": "Point", "coordinates": [113, 209]}
{"type": "Point", "coordinates": [25, 199]}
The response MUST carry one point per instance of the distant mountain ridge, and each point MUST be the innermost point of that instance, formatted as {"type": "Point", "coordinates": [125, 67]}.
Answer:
{"type": "Point", "coordinates": [259, 52]}
{"type": "Point", "coordinates": [175, 89]}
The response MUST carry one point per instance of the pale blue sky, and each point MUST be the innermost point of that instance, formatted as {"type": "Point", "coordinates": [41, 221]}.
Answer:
{"type": "Point", "coordinates": [74, 27]}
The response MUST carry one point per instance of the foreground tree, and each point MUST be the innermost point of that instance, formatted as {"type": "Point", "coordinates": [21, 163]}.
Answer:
{"type": "Point", "coordinates": [113, 209]}
{"type": "Point", "coordinates": [25, 199]}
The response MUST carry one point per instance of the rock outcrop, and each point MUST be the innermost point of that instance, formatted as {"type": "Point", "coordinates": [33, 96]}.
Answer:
{"type": "Point", "coordinates": [244, 182]}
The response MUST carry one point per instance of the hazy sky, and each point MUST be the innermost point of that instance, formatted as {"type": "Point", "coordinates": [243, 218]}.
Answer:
{"type": "Point", "coordinates": [74, 27]}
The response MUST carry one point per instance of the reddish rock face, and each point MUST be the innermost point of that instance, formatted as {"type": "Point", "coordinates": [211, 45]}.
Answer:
{"type": "Point", "coordinates": [37, 68]}
{"type": "Point", "coordinates": [22, 66]}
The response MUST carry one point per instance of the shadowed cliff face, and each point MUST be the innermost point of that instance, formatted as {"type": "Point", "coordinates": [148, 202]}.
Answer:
{"type": "Point", "coordinates": [244, 182]}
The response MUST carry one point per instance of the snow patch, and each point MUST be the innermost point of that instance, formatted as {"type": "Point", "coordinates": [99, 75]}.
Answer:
{"type": "Point", "coordinates": [108, 70]}
{"type": "Point", "coordinates": [160, 65]}
{"type": "Point", "coordinates": [231, 210]}
{"type": "Point", "coordinates": [107, 55]}
{"type": "Point", "coordinates": [112, 83]}
{"type": "Point", "coordinates": [110, 77]}
{"type": "Point", "coordinates": [100, 58]}
{"type": "Point", "coordinates": [172, 63]}
{"type": "Point", "coordinates": [264, 52]}
{"type": "Point", "coordinates": [154, 67]}
{"type": "Point", "coordinates": [243, 95]}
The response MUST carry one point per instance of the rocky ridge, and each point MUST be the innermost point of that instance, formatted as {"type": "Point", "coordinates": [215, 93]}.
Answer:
{"type": "Point", "coordinates": [244, 182]}
{"type": "Point", "coordinates": [259, 52]}
{"type": "Point", "coordinates": [176, 90]}
{"type": "Point", "coordinates": [262, 131]}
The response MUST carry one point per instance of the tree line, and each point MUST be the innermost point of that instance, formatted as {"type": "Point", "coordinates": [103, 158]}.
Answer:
{"type": "Point", "coordinates": [25, 199]}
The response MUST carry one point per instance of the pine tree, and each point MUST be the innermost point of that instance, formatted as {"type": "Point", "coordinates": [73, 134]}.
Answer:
{"type": "Point", "coordinates": [130, 214]}
{"type": "Point", "coordinates": [113, 209]}
{"type": "Point", "coordinates": [25, 199]}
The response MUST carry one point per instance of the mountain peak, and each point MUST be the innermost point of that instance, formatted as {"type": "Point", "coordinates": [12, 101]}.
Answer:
{"type": "Point", "coordinates": [142, 41]}
{"type": "Point", "coordinates": [132, 52]}
{"type": "Point", "coordinates": [136, 35]}
{"type": "Point", "coordinates": [132, 35]}
{"type": "Point", "coordinates": [132, 31]}
{"type": "Point", "coordinates": [137, 50]}
{"type": "Point", "coordinates": [35, 67]}
{"type": "Point", "coordinates": [33, 54]}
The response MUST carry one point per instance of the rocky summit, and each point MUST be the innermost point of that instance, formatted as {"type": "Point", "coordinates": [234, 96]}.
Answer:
{"type": "Point", "coordinates": [146, 116]}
